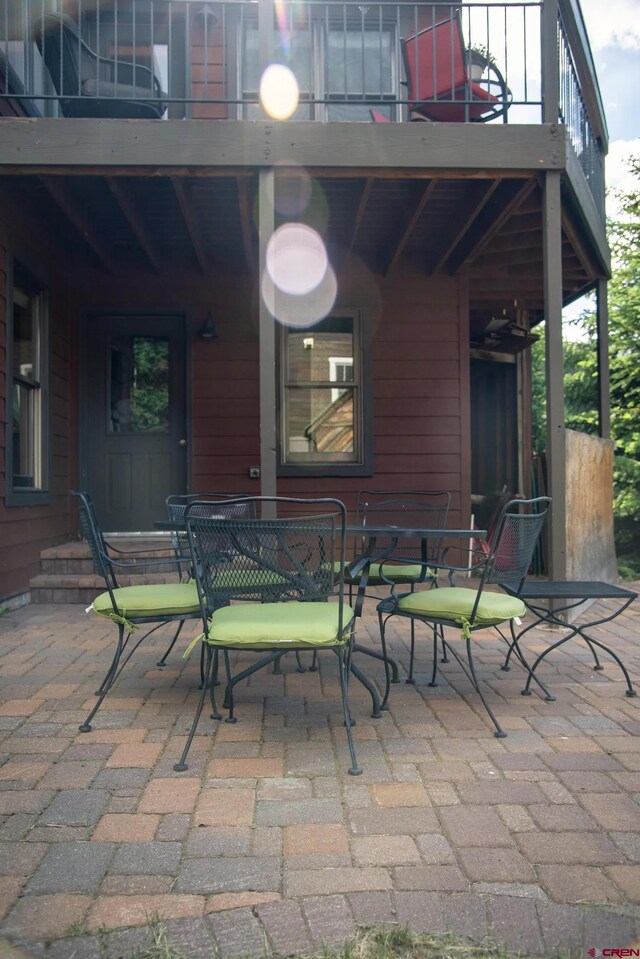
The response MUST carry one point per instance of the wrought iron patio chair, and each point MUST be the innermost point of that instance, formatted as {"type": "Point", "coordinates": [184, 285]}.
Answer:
{"type": "Point", "coordinates": [508, 562]}
{"type": "Point", "coordinates": [412, 562]}
{"type": "Point", "coordinates": [130, 606]}
{"type": "Point", "coordinates": [176, 506]}
{"type": "Point", "coordinates": [439, 85]}
{"type": "Point", "coordinates": [89, 85]}
{"type": "Point", "coordinates": [276, 590]}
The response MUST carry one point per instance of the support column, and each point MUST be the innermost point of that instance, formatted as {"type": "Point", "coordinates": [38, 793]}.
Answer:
{"type": "Point", "coordinates": [268, 455]}
{"type": "Point", "coordinates": [556, 447]}
{"type": "Point", "coordinates": [602, 320]}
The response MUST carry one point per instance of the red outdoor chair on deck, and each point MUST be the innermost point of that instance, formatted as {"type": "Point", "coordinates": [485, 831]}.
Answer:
{"type": "Point", "coordinates": [439, 85]}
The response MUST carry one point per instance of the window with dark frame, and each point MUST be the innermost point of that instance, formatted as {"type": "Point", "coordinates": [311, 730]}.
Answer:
{"type": "Point", "coordinates": [322, 415]}
{"type": "Point", "coordinates": [346, 58]}
{"type": "Point", "coordinates": [28, 441]}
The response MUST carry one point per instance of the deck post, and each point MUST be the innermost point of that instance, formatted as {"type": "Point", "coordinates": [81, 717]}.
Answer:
{"type": "Point", "coordinates": [549, 62]}
{"type": "Point", "coordinates": [266, 186]}
{"type": "Point", "coordinates": [554, 363]}
{"type": "Point", "coordinates": [602, 320]}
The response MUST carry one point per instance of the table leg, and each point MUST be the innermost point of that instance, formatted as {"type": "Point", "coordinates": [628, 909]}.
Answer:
{"type": "Point", "coordinates": [589, 640]}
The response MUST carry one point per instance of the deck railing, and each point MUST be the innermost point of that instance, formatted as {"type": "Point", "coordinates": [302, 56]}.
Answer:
{"type": "Point", "coordinates": [194, 59]}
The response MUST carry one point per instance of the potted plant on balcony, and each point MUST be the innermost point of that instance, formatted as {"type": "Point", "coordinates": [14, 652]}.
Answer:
{"type": "Point", "coordinates": [478, 59]}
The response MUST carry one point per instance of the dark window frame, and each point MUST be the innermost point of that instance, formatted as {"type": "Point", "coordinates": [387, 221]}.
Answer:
{"type": "Point", "coordinates": [364, 466]}
{"type": "Point", "coordinates": [31, 283]}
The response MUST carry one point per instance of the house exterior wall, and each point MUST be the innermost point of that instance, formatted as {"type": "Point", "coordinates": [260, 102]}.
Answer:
{"type": "Point", "coordinates": [26, 530]}
{"type": "Point", "coordinates": [419, 392]}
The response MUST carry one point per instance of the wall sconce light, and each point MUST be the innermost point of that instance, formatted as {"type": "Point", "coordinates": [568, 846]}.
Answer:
{"type": "Point", "coordinates": [208, 331]}
{"type": "Point", "coordinates": [308, 343]}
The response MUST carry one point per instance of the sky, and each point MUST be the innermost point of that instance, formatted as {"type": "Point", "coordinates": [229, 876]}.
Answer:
{"type": "Point", "coordinates": [613, 27]}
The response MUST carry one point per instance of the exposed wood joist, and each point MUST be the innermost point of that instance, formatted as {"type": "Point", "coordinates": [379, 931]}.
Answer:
{"type": "Point", "coordinates": [132, 216]}
{"type": "Point", "coordinates": [577, 245]}
{"type": "Point", "coordinates": [58, 190]}
{"type": "Point", "coordinates": [186, 208]}
{"type": "Point", "coordinates": [522, 223]}
{"type": "Point", "coordinates": [407, 229]}
{"type": "Point", "coordinates": [489, 223]}
{"type": "Point", "coordinates": [361, 199]}
{"type": "Point", "coordinates": [467, 215]}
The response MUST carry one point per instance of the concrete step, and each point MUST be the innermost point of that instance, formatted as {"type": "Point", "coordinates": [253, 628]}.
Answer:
{"type": "Point", "coordinates": [68, 575]}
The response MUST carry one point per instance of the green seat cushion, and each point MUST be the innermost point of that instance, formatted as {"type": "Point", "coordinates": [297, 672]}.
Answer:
{"type": "Point", "coordinates": [149, 601]}
{"type": "Point", "coordinates": [398, 573]}
{"type": "Point", "coordinates": [456, 604]}
{"type": "Point", "coordinates": [269, 625]}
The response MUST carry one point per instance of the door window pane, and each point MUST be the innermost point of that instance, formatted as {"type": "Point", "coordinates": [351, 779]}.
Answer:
{"type": "Point", "coordinates": [138, 395]}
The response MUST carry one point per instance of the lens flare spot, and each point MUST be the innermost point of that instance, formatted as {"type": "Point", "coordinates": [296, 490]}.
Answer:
{"type": "Point", "coordinates": [296, 258]}
{"type": "Point", "coordinates": [279, 94]}
{"type": "Point", "coordinates": [292, 187]}
{"type": "Point", "coordinates": [301, 312]}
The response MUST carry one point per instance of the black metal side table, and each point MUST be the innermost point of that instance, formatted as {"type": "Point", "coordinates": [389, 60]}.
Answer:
{"type": "Point", "coordinates": [561, 597]}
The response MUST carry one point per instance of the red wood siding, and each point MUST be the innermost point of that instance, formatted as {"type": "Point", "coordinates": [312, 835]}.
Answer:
{"type": "Point", "coordinates": [26, 530]}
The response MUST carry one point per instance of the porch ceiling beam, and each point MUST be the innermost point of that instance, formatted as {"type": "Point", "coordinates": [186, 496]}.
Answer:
{"type": "Point", "coordinates": [186, 208]}
{"type": "Point", "coordinates": [522, 223]}
{"type": "Point", "coordinates": [488, 224]}
{"type": "Point", "coordinates": [587, 262]}
{"type": "Point", "coordinates": [245, 224]}
{"type": "Point", "coordinates": [486, 264]}
{"type": "Point", "coordinates": [74, 212]}
{"type": "Point", "coordinates": [531, 240]}
{"type": "Point", "coordinates": [401, 241]}
{"type": "Point", "coordinates": [469, 212]}
{"type": "Point", "coordinates": [132, 217]}
{"type": "Point", "coordinates": [361, 200]}
{"type": "Point", "coordinates": [418, 149]}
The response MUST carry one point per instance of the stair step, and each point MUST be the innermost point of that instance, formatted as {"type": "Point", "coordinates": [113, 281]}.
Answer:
{"type": "Point", "coordinates": [71, 588]}
{"type": "Point", "coordinates": [68, 575]}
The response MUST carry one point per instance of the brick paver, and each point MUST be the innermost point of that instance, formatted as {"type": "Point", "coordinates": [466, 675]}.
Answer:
{"type": "Point", "coordinates": [267, 845]}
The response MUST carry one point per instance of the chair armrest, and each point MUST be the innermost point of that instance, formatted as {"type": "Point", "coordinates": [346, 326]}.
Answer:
{"type": "Point", "coordinates": [126, 79]}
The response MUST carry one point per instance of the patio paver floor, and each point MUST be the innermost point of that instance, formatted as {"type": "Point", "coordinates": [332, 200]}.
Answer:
{"type": "Point", "coordinates": [266, 844]}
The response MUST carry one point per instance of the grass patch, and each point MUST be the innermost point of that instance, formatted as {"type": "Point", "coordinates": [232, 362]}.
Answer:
{"type": "Point", "coordinates": [392, 942]}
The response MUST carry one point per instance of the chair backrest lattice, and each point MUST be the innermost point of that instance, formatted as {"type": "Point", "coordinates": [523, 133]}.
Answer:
{"type": "Point", "coordinates": [92, 535]}
{"type": "Point", "coordinates": [424, 509]}
{"type": "Point", "coordinates": [177, 505]}
{"type": "Point", "coordinates": [517, 533]}
{"type": "Point", "coordinates": [268, 560]}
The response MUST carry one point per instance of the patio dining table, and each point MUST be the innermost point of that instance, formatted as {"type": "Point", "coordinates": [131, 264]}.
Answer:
{"type": "Point", "coordinates": [378, 544]}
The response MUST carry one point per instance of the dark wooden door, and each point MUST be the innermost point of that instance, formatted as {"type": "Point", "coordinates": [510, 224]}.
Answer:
{"type": "Point", "coordinates": [494, 433]}
{"type": "Point", "coordinates": [134, 418]}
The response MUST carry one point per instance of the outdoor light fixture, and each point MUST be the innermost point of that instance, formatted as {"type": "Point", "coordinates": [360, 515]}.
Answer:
{"type": "Point", "coordinates": [208, 331]}
{"type": "Point", "coordinates": [308, 343]}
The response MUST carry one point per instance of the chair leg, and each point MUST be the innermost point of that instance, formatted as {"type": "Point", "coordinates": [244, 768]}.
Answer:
{"type": "Point", "coordinates": [163, 661]}
{"type": "Point", "coordinates": [109, 678]}
{"type": "Point", "coordinates": [438, 633]}
{"type": "Point", "coordinates": [412, 650]}
{"type": "Point", "coordinates": [387, 667]}
{"type": "Point", "coordinates": [181, 765]}
{"type": "Point", "coordinates": [344, 668]}
{"type": "Point", "coordinates": [368, 685]}
{"type": "Point", "coordinates": [499, 733]}
{"type": "Point", "coordinates": [445, 658]}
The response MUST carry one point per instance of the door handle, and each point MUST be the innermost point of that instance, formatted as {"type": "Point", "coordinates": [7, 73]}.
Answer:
{"type": "Point", "coordinates": [182, 443]}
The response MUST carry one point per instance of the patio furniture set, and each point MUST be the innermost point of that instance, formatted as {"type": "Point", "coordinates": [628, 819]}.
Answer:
{"type": "Point", "coordinates": [272, 575]}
